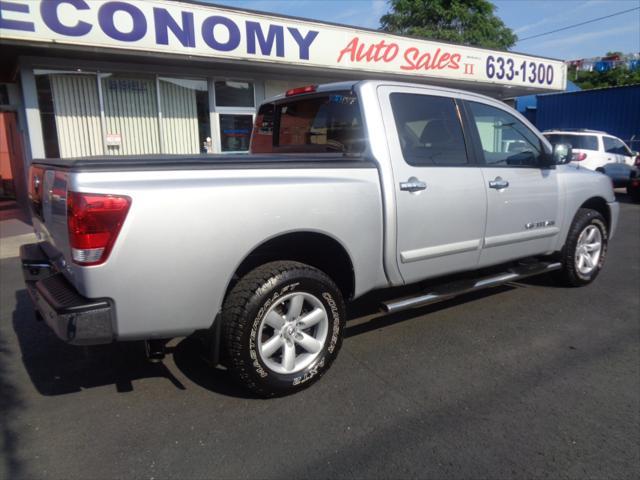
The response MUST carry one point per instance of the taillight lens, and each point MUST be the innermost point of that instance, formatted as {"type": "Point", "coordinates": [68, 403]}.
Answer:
{"type": "Point", "coordinates": [94, 222]}
{"type": "Point", "coordinates": [36, 185]}
{"type": "Point", "coordinates": [579, 156]}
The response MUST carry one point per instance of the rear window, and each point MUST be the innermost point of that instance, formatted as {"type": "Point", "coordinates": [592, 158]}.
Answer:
{"type": "Point", "coordinates": [582, 142]}
{"type": "Point", "coordinates": [329, 123]}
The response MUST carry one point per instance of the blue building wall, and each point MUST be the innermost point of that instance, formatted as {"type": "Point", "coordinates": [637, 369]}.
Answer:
{"type": "Point", "coordinates": [528, 104]}
{"type": "Point", "coordinates": [613, 110]}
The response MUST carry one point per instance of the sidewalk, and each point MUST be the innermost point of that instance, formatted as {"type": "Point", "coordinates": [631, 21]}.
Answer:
{"type": "Point", "coordinates": [15, 229]}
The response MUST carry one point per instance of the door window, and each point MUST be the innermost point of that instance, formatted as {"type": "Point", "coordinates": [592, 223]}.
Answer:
{"type": "Point", "coordinates": [506, 141]}
{"type": "Point", "coordinates": [429, 130]}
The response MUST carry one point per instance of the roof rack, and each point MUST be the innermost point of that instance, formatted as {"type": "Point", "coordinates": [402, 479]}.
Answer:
{"type": "Point", "coordinates": [585, 130]}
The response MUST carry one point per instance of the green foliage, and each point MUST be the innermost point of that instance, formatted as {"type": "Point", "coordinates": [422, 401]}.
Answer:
{"type": "Point", "coordinates": [612, 78]}
{"type": "Point", "coordinates": [470, 22]}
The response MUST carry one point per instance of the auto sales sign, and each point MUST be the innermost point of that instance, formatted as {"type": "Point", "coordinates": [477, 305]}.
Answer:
{"type": "Point", "coordinates": [194, 29]}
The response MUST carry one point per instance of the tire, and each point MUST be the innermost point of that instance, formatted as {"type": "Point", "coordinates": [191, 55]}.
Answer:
{"type": "Point", "coordinates": [588, 229]}
{"type": "Point", "coordinates": [259, 310]}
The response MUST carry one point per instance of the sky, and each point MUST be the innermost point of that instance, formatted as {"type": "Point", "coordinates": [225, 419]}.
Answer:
{"type": "Point", "coordinates": [524, 17]}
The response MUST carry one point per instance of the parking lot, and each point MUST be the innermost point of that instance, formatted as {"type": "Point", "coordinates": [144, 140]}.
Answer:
{"type": "Point", "coordinates": [526, 380]}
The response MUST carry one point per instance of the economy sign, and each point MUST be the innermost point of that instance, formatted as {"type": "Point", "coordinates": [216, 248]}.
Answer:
{"type": "Point", "coordinates": [162, 26]}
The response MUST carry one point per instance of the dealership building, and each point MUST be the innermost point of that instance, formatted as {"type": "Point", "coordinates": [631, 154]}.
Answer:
{"type": "Point", "coordinates": [99, 77]}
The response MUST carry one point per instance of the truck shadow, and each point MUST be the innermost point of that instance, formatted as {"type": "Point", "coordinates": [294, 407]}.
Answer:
{"type": "Point", "coordinates": [363, 316]}
{"type": "Point", "coordinates": [56, 368]}
{"type": "Point", "coordinates": [11, 404]}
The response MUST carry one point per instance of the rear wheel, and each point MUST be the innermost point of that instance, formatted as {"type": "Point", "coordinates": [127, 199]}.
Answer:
{"type": "Point", "coordinates": [585, 250]}
{"type": "Point", "coordinates": [282, 327]}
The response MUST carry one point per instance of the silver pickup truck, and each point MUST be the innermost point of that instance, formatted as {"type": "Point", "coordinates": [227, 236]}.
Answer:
{"type": "Point", "coordinates": [350, 187]}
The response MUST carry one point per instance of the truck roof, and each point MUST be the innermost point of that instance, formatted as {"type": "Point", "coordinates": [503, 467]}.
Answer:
{"type": "Point", "coordinates": [349, 85]}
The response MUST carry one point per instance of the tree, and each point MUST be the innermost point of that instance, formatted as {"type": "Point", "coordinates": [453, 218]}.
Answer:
{"type": "Point", "coordinates": [470, 22]}
{"type": "Point", "coordinates": [616, 77]}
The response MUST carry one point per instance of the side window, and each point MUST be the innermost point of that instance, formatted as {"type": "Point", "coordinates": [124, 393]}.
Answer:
{"type": "Point", "coordinates": [613, 145]}
{"type": "Point", "coordinates": [429, 130]}
{"type": "Point", "coordinates": [505, 139]}
{"type": "Point", "coordinates": [610, 145]}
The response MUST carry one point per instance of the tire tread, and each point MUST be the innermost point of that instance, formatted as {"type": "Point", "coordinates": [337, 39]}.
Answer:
{"type": "Point", "coordinates": [568, 275]}
{"type": "Point", "coordinates": [235, 313]}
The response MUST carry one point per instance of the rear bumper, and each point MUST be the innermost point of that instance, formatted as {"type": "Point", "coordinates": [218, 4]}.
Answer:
{"type": "Point", "coordinates": [74, 318]}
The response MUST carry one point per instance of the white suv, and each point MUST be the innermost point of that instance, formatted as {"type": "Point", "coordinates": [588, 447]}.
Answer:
{"type": "Point", "coordinates": [593, 149]}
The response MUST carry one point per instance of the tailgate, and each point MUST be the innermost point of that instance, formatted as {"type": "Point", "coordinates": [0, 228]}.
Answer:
{"type": "Point", "coordinates": [48, 199]}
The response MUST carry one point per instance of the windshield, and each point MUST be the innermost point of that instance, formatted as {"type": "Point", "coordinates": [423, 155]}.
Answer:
{"type": "Point", "coordinates": [322, 123]}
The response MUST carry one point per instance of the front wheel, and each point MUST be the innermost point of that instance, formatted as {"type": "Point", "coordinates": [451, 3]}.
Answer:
{"type": "Point", "coordinates": [282, 327]}
{"type": "Point", "coordinates": [585, 250]}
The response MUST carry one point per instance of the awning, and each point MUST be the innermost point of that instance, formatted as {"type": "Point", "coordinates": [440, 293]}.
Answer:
{"type": "Point", "coordinates": [203, 32]}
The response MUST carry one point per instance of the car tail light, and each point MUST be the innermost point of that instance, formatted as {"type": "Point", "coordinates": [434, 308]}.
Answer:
{"type": "Point", "coordinates": [36, 185]}
{"type": "Point", "coordinates": [94, 221]}
{"type": "Point", "coordinates": [637, 163]}
{"type": "Point", "coordinates": [578, 156]}
{"type": "Point", "coordinates": [299, 90]}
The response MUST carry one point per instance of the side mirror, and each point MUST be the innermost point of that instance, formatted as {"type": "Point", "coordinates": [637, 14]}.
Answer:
{"type": "Point", "coordinates": [562, 153]}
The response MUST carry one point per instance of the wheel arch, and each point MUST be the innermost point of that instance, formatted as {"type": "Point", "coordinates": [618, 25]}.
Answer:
{"type": "Point", "coordinates": [601, 206]}
{"type": "Point", "coordinates": [317, 249]}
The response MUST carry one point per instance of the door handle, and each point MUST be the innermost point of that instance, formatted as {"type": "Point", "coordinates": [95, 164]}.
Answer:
{"type": "Point", "coordinates": [498, 183]}
{"type": "Point", "coordinates": [413, 185]}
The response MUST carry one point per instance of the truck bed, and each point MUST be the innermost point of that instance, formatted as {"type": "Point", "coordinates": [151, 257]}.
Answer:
{"type": "Point", "coordinates": [177, 246]}
{"type": "Point", "coordinates": [207, 161]}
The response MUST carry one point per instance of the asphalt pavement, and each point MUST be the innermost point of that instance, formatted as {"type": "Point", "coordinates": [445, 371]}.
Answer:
{"type": "Point", "coordinates": [524, 381]}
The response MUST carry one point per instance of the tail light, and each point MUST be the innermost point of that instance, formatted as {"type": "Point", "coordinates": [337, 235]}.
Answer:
{"type": "Point", "coordinates": [637, 163]}
{"type": "Point", "coordinates": [36, 185]}
{"type": "Point", "coordinates": [94, 222]}
{"type": "Point", "coordinates": [578, 156]}
{"type": "Point", "coordinates": [300, 90]}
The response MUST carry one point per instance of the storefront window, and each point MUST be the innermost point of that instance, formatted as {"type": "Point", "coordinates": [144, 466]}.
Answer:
{"type": "Point", "coordinates": [70, 113]}
{"type": "Point", "coordinates": [47, 117]}
{"type": "Point", "coordinates": [235, 132]}
{"type": "Point", "coordinates": [88, 114]}
{"type": "Point", "coordinates": [130, 114]}
{"type": "Point", "coordinates": [185, 115]}
{"type": "Point", "coordinates": [232, 93]}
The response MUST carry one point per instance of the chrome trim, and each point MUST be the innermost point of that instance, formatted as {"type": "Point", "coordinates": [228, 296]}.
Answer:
{"type": "Point", "coordinates": [439, 251]}
{"type": "Point", "coordinates": [530, 234]}
{"type": "Point", "coordinates": [498, 183]}
{"type": "Point", "coordinates": [454, 289]}
{"type": "Point", "coordinates": [413, 185]}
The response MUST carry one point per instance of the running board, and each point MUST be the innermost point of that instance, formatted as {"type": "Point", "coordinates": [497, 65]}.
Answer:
{"type": "Point", "coordinates": [455, 288]}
